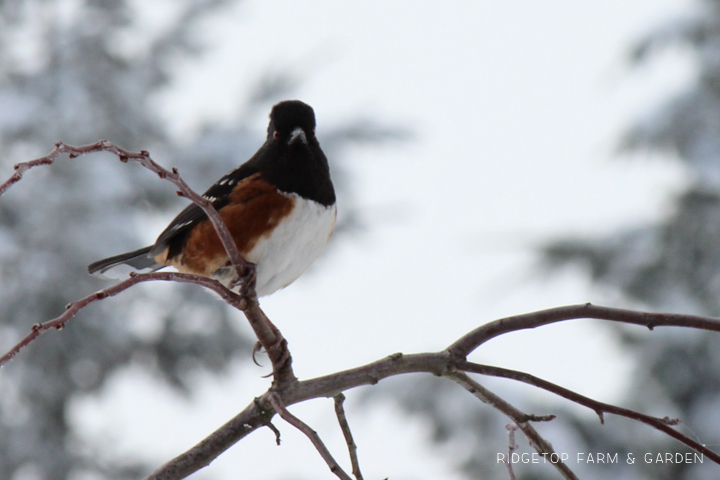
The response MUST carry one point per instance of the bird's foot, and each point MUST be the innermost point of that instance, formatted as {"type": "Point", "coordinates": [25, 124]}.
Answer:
{"type": "Point", "coordinates": [280, 352]}
{"type": "Point", "coordinates": [246, 281]}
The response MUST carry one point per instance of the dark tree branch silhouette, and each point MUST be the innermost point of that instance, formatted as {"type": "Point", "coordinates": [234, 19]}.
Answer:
{"type": "Point", "coordinates": [280, 409]}
{"type": "Point", "coordinates": [268, 335]}
{"type": "Point", "coordinates": [345, 427]}
{"type": "Point", "coordinates": [512, 446]}
{"type": "Point", "coordinates": [287, 390]}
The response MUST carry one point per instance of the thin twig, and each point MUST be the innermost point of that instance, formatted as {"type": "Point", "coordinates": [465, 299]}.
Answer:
{"type": "Point", "coordinates": [512, 446]}
{"type": "Point", "coordinates": [23, 167]}
{"type": "Point", "coordinates": [521, 419]}
{"type": "Point", "coordinates": [345, 427]}
{"type": "Point", "coordinates": [73, 308]}
{"type": "Point", "coordinates": [143, 158]}
{"type": "Point", "coordinates": [279, 407]}
{"type": "Point", "coordinates": [268, 335]}
{"type": "Point", "coordinates": [462, 348]}
{"type": "Point", "coordinates": [663, 424]}
{"type": "Point", "coordinates": [267, 415]}
{"type": "Point", "coordinates": [275, 430]}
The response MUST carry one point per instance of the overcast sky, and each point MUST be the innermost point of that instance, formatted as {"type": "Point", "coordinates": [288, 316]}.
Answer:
{"type": "Point", "coordinates": [516, 107]}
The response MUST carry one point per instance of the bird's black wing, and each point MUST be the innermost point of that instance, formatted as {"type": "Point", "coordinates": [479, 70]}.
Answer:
{"type": "Point", "coordinates": [218, 194]}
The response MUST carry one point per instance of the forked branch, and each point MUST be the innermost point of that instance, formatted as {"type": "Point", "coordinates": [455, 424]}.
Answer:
{"type": "Point", "coordinates": [287, 390]}
{"type": "Point", "coordinates": [279, 407]}
{"type": "Point", "coordinates": [143, 158]}
{"type": "Point", "coordinates": [522, 420]}
{"type": "Point", "coordinates": [73, 308]}
{"type": "Point", "coordinates": [268, 335]}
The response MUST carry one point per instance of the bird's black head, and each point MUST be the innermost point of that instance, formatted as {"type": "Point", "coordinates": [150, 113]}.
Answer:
{"type": "Point", "coordinates": [291, 158]}
{"type": "Point", "coordinates": [292, 121]}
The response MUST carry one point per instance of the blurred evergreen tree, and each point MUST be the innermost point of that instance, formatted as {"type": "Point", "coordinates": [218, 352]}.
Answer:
{"type": "Point", "coordinates": [79, 71]}
{"type": "Point", "coordinates": [672, 265]}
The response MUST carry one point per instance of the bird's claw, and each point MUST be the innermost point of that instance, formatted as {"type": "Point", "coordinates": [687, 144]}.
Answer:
{"type": "Point", "coordinates": [256, 349]}
{"type": "Point", "coordinates": [284, 358]}
{"type": "Point", "coordinates": [246, 281]}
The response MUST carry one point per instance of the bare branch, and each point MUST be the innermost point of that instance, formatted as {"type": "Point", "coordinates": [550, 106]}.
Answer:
{"type": "Point", "coordinates": [437, 364]}
{"type": "Point", "coordinates": [287, 390]}
{"type": "Point", "coordinates": [345, 427]}
{"type": "Point", "coordinates": [482, 334]}
{"type": "Point", "coordinates": [23, 167]}
{"type": "Point", "coordinates": [521, 419]}
{"type": "Point", "coordinates": [663, 424]}
{"type": "Point", "coordinates": [279, 407]}
{"type": "Point", "coordinates": [268, 335]}
{"type": "Point", "coordinates": [252, 416]}
{"type": "Point", "coordinates": [73, 308]}
{"type": "Point", "coordinates": [143, 158]}
{"type": "Point", "coordinates": [512, 446]}
{"type": "Point", "coordinates": [200, 456]}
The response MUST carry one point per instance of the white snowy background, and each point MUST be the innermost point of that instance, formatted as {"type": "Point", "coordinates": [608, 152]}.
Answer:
{"type": "Point", "coordinates": [516, 108]}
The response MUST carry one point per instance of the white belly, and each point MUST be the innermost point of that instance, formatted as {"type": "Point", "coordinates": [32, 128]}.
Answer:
{"type": "Point", "coordinates": [293, 245]}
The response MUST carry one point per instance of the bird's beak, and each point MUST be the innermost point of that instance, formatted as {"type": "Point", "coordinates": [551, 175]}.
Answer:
{"type": "Point", "coordinates": [297, 134]}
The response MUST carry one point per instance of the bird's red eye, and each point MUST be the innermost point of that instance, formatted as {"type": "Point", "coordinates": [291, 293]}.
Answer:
{"type": "Point", "coordinates": [276, 135]}
{"type": "Point", "coordinates": [313, 133]}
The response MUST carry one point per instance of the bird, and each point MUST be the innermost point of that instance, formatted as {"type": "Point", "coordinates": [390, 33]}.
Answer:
{"type": "Point", "coordinates": [279, 207]}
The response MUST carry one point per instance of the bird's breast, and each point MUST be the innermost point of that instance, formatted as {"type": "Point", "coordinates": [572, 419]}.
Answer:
{"type": "Point", "coordinates": [285, 252]}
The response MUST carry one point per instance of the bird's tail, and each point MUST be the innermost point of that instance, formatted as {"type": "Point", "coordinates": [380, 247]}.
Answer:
{"type": "Point", "coordinates": [121, 265]}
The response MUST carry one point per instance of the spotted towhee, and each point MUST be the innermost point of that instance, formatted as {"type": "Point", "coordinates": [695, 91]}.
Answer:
{"type": "Point", "coordinates": [279, 207]}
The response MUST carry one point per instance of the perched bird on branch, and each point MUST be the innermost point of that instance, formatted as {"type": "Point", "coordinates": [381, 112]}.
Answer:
{"type": "Point", "coordinates": [279, 207]}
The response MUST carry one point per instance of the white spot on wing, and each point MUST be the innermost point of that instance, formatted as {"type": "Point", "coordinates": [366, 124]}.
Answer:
{"type": "Point", "coordinates": [181, 225]}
